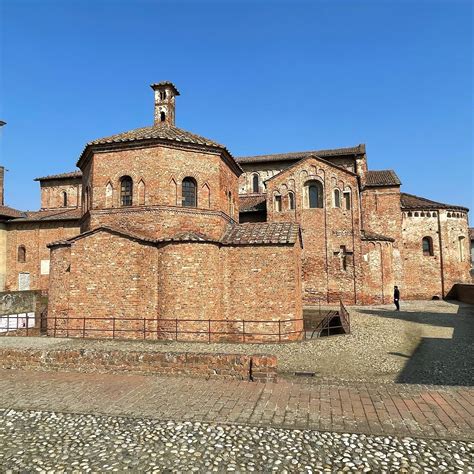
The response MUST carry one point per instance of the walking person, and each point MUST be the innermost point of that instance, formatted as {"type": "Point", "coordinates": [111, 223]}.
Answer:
{"type": "Point", "coordinates": [396, 297]}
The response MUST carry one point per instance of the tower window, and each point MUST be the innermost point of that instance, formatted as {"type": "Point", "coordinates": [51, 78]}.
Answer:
{"type": "Point", "coordinates": [21, 254]}
{"type": "Point", "coordinates": [163, 95]}
{"type": "Point", "coordinates": [189, 197]}
{"type": "Point", "coordinates": [126, 191]}
{"type": "Point", "coordinates": [314, 194]}
{"type": "Point", "coordinates": [255, 183]}
{"type": "Point", "coordinates": [162, 116]}
{"type": "Point", "coordinates": [427, 244]}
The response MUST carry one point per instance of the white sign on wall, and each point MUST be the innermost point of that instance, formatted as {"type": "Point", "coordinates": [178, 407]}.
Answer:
{"type": "Point", "coordinates": [23, 281]}
{"type": "Point", "coordinates": [44, 267]}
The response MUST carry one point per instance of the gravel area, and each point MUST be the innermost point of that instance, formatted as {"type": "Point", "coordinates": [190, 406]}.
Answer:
{"type": "Point", "coordinates": [427, 342]}
{"type": "Point", "coordinates": [53, 442]}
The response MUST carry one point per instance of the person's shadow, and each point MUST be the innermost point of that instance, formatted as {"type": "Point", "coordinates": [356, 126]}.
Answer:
{"type": "Point", "coordinates": [438, 361]}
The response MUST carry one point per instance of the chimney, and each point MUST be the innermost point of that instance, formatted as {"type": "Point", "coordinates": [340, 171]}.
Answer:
{"type": "Point", "coordinates": [2, 192]}
{"type": "Point", "coordinates": [165, 93]}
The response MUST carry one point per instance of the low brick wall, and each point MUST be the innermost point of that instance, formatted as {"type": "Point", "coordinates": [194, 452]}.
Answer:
{"type": "Point", "coordinates": [258, 367]}
{"type": "Point", "coordinates": [462, 292]}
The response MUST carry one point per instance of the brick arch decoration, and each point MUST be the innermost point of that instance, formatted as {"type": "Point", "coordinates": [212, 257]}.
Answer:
{"type": "Point", "coordinates": [173, 191]}
{"type": "Point", "coordinates": [205, 196]}
{"type": "Point", "coordinates": [109, 195]}
{"type": "Point", "coordinates": [141, 192]}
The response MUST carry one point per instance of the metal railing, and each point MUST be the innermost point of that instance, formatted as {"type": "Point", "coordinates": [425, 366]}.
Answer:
{"type": "Point", "coordinates": [180, 330]}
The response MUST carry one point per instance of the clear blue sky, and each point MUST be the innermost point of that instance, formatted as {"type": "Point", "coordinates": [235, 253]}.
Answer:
{"type": "Point", "coordinates": [259, 77]}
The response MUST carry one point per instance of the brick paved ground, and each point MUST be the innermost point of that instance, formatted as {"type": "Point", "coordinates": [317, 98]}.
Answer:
{"type": "Point", "coordinates": [390, 409]}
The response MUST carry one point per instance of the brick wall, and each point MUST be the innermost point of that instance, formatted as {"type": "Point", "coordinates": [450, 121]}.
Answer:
{"type": "Point", "coordinates": [427, 276]}
{"type": "Point", "coordinates": [105, 275]}
{"type": "Point", "coordinates": [381, 214]}
{"type": "Point", "coordinates": [52, 193]}
{"type": "Point", "coordinates": [377, 276]}
{"type": "Point", "coordinates": [324, 230]}
{"type": "Point", "coordinates": [258, 368]}
{"type": "Point", "coordinates": [34, 236]}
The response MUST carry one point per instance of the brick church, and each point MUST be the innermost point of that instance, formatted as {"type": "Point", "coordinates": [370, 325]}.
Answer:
{"type": "Point", "coordinates": [163, 223]}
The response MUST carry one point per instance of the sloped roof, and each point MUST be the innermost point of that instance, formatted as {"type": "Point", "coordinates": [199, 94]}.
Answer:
{"type": "Point", "coordinates": [252, 202]}
{"type": "Point", "coordinates": [298, 163]}
{"type": "Point", "coordinates": [261, 233]}
{"type": "Point", "coordinates": [6, 211]}
{"type": "Point", "coordinates": [69, 175]}
{"type": "Point", "coordinates": [50, 215]}
{"type": "Point", "coordinates": [138, 236]}
{"type": "Point", "coordinates": [236, 234]}
{"type": "Point", "coordinates": [410, 201]}
{"type": "Point", "coordinates": [372, 236]}
{"type": "Point", "coordinates": [382, 178]}
{"type": "Point", "coordinates": [161, 132]}
{"type": "Point", "coordinates": [298, 155]}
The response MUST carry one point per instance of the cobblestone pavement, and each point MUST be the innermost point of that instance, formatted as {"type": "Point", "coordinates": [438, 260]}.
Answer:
{"type": "Point", "coordinates": [387, 409]}
{"type": "Point", "coordinates": [56, 442]}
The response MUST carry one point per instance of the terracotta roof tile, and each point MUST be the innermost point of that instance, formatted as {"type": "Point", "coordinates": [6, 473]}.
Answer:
{"type": "Point", "coordinates": [293, 156]}
{"type": "Point", "coordinates": [261, 233]}
{"type": "Point", "coordinates": [6, 211]}
{"type": "Point", "coordinates": [410, 201]}
{"type": "Point", "coordinates": [382, 178]}
{"type": "Point", "coordinates": [71, 174]}
{"type": "Point", "coordinates": [50, 215]}
{"type": "Point", "coordinates": [161, 132]}
{"type": "Point", "coordinates": [252, 202]}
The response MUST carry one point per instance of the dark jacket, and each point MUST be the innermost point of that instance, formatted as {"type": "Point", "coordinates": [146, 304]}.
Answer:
{"type": "Point", "coordinates": [396, 294]}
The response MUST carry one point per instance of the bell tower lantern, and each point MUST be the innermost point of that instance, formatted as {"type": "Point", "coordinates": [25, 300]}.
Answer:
{"type": "Point", "coordinates": [165, 93]}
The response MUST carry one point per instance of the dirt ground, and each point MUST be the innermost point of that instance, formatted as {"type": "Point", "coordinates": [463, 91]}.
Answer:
{"type": "Point", "coordinates": [427, 342]}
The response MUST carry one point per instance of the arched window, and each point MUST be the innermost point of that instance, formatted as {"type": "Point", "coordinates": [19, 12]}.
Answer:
{"type": "Point", "coordinates": [255, 183]}
{"type": "Point", "coordinates": [189, 197]}
{"type": "Point", "coordinates": [21, 254]}
{"type": "Point", "coordinates": [337, 198]}
{"type": "Point", "coordinates": [347, 200]}
{"type": "Point", "coordinates": [163, 95]}
{"type": "Point", "coordinates": [64, 196]}
{"type": "Point", "coordinates": [277, 203]}
{"type": "Point", "coordinates": [314, 194]}
{"type": "Point", "coordinates": [162, 116]}
{"type": "Point", "coordinates": [291, 201]}
{"type": "Point", "coordinates": [427, 244]}
{"type": "Point", "coordinates": [126, 191]}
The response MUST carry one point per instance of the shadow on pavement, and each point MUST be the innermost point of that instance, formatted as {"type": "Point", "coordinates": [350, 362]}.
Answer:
{"type": "Point", "coordinates": [438, 361]}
